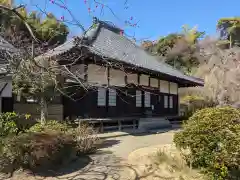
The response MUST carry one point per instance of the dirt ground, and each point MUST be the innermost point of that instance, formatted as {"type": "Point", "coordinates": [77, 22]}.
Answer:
{"type": "Point", "coordinates": [113, 161]}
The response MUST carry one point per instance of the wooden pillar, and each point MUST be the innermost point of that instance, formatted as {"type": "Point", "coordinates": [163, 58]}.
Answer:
{"type": "Point", "coordinates": [101, 126]}
{"type": "Point", "coordinates": [138, 79]}
{"type": "Point", "coordinates": [134, 124]}
{"type": "Point", "coordinates": [0, 104]}
{"type": "Point", "coordinates": [119, 125]}
{"type": "Point", "coordinates": [85, 71]}
{"type": "Point", "coordinates": [108, 76]}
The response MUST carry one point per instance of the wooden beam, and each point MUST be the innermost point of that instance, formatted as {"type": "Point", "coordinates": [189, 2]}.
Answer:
{"type": "Point", "coordinates": [108, 76]}
{"type": "Point", "coordinates": [85, 71]}
{"type": "Point", "coordinates": [138, 78]}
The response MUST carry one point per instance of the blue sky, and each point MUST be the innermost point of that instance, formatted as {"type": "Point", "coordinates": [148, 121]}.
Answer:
{"type": "Point", "coordinates": [155, 18]}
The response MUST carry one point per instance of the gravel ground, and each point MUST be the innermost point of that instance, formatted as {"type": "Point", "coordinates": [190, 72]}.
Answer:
{"type": "Point", "coordinates": [122, 146]}
{"type": "Point", "coordinates": [110, 162]}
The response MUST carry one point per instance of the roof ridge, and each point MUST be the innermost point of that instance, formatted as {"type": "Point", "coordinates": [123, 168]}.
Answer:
{"type": "Point", "coordinates": [108, 25]}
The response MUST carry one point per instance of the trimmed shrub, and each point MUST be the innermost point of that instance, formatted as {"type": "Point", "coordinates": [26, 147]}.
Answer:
{"type": "Point", "coordinates": [35, 151]}
{"type": "Point", "coordinates": [212, 137]}
{"type": "Point", "coordinates": [12, 123]}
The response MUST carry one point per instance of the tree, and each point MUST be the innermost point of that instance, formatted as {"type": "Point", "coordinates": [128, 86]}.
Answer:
{"type": "Point", "coordinates": [48, 30]}
{"type": "Point", "coordinates": [178, 49]}
{"type": "Point", "coordinates": [31, 78]}
{"type": "Point", "coordinates": [165, 44]}
{"type": "Point", "coordinates": [221, 71]}
{"type": "Point", "coordinates": [191, 35]}
{"type": "Point", "coordinates": [38, 81]}
{"type": "Point", "coordinates": [229, 29]}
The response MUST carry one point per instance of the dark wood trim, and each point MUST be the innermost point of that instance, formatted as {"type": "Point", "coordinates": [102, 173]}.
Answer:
{"type": "Point", "coordinates": [143, 100]}
{"type": "Point", "coordinates": [64, 59]}
{"type": "Point", "coordinates": [108, 76]}
{"type": "Point", "coordinates": [131, 68]}
{"type": "Point", "coordinates": [168, 87]}
{"type": "Point", "coordinates": [126, 79]}
{"type": "Point", "coordinates": [169, 109]}
{"type": "Point", "coordinates": [107, 100]}
{"type": "Point", "coordinates": [138, 76]}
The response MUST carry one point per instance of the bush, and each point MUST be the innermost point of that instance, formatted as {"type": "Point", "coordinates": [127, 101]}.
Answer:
{"type": "Point", "coordinates": [46, 146]}
{"type": "Point", "coordinates": [212, 136]}
{"type": "Point", "coordinates": [13, 123]}
{"type": "Point", "coordinates": [50, 125]}
{"type": "Point", "coordinates": [193, 103]}
{"type": "Point", "coordinates": [35, 151]}
{"type": "Point", "coordinates": [86, 139]}
{"type": "Point", "coordinates": [84, 135]}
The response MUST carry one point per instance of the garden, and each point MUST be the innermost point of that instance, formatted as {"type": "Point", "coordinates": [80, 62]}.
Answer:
{"type": "Point", "coordinates": [29, 145]}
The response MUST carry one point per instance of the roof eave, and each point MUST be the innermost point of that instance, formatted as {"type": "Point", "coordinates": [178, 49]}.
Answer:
{"type": "Point", "coordinates": [187, 83]}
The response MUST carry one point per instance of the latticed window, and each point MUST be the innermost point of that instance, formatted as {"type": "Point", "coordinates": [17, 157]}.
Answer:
{"type": "Point", "coordinates": [147, 100]}
{"type": "Point", "coordinates": [112, 101]}
{"type": "Point", "coordinates": [165, 101]}
{"type": "Point", "coordinates": [138, 98]}
{"type": "Point", "coordinates": [101, 100]}
{"type": "Point", "coordinates": [171, 102]}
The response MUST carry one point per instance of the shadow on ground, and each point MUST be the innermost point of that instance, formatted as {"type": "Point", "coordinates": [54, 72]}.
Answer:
{"type": "Point", "coordinates": [101, 166]}
{"type": "Point", "coordinates": [71, 167]}
{"type": "Point", "coordinates": [138, 132]}
{"type": "Point", "coordinates": [109, 143]}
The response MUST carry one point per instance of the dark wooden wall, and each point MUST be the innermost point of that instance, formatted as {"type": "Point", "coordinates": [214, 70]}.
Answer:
{"type": "Point", "coordinates": [7, 104]}
{"type": "Point", "coordinates": [85, 102]}
{"type": "Point", "coordinates": [85, 105]}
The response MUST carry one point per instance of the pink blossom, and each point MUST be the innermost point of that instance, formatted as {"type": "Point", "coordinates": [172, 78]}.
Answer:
{"type": "Point", "coordinates": [64, 7]}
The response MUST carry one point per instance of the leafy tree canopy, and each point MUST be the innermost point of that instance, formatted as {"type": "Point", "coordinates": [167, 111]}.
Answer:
{"type": "Point", "coordinates": [178, 49]}
{"type": "Point", "coordinates": [229, 29]}
{"type": "Point", "coordinates": [47, 29]}
{"type": "Point", "coordinates": [29, 78]}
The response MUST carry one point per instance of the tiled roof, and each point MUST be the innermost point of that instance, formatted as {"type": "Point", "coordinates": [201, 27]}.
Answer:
{"type": "Point", "coordinates": [105, 41]}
